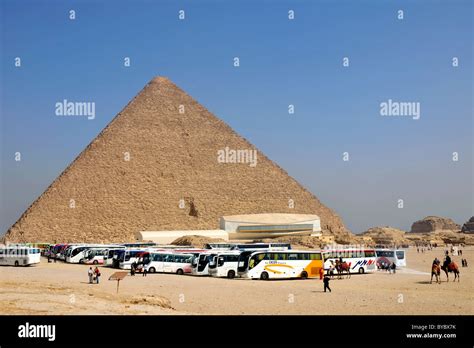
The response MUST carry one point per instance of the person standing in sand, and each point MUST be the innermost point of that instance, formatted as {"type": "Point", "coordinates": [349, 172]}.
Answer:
{"type": "Point", "coordinates": [96, 275]}
{"type": "Point", "coordinates": [91, 274]}
{"type": "Point", "coordinates": [326, 283]}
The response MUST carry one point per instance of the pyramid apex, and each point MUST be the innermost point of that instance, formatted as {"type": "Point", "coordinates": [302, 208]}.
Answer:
{"type": "Point", "coordinates": [160, 79]}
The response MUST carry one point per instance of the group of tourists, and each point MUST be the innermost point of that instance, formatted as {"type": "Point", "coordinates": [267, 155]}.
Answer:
{"type": "Point", "coordinates": [94, 275]}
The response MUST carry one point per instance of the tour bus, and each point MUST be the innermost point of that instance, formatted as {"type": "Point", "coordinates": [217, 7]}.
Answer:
{"type": "Point", "coordinates": [110, 256]}
{"type": "Point", "coordinates": [388, 256]}
{"type": "Point", "coordinates": [168, 262]}
{"type": "Point", "coordinates": [62, 252]}
{"type": "Point", "coordinates": [50, 250]}
{"type": "Point", "coordinates": [55, 250]}
{"type": "Point", "coordinates": [360, 260]}
{"type": "Point", "coordinates": [94, 256]}
{"type": "Point", "coordinates": [224, 264]}
{"type": "Point", "coordinates": [75, 253]}
{"type": "Point", "coordinates": [273, 264]}
{"type": "Point", "coordinates": [19, 256]}
{"type": "Point", "coordinates": [41, 246]}
{"type": "Point", "coordinates": [130, 256]}
{"type": "Point", "coordinates": [200, 263]}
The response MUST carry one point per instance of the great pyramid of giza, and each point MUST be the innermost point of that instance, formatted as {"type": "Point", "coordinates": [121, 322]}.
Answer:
{"type": "Point", "coordinates": [171, 143]}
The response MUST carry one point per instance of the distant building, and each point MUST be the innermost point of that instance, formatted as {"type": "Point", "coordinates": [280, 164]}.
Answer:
{"type": "Point", "coordinates": [259, 226]}
{"type": "Point", "coordinates": [248, 227]}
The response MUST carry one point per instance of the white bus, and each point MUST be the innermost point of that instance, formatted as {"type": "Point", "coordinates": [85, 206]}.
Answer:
{"type": "Point", "coordinates": [95, 256]}
{"type": "Point", "coordinates": [19, 256]}
{"type": "Point", "coordinates": [130, 256]}
{"type": "Point", "coordinates": [360, 260]}
{"type": "Point", "coordinates": [75, 253]}
{"type": "Point", "coordinates": [111, 252]}
{"type": "Point", "coordinates": [78, 252]}
{"type": "Point", "coordinates": [386, 257]}
{"type": "Point", "coordinates": [62, 255]}
{"type": "Point", "coordinates": [280, 264]}
{"type": "Point", "coordinates": [224, 264]}
{"type": "Point", "coordinates": [168, 262]}
{"type": "Point", "coordinates": [200, 263]}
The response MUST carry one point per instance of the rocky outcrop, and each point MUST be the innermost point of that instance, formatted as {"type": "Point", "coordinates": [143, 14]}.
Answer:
{"type": "Point", "coordinates": [434, 223]}
{"type": "Point", "coordinates": [158, 166]}
{"type": "Point", "coordinates": [468, 227]}
{"type": "Point", "coordinates": [385, 236]}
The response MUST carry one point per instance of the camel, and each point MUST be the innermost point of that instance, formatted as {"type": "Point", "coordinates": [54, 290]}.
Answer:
{"type": "Point", "coordinates": [341, 268]}
{"type": "Point", "coordinates": [436, 271]}
{"type": "Point", "coordinates": [452, 267]}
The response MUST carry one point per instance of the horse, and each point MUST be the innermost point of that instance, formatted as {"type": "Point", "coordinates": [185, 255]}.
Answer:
{"type": "Point", "coordinates": [452, 267]}
{"type": "Point", "coordinates": [341, 268]}
{"type": "Point", "coordinates": [436, 271]}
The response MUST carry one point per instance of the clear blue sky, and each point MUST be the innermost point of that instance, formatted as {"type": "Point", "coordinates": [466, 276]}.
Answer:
{"type": "Point", "coordinates": [282, 62]}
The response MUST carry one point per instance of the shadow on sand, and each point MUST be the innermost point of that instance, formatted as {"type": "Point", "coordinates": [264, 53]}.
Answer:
{"type": "Point", "coordinates": [428, 282]}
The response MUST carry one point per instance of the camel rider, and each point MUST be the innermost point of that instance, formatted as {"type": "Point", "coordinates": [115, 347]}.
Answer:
{"type": "Point", "coordinates": [447, 260]}
{"type": "Point", "coordinates": [436, 261]}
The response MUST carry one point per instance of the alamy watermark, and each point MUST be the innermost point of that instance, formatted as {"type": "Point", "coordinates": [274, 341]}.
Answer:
{"type": "Point", "coordinates": [228, 155]}
{"type": "Point", "coordinates": [37, 331]}
{"type": "Point", "coordinates": [69, 108]}
{"type": "Point", "coordinates": [394, 108]}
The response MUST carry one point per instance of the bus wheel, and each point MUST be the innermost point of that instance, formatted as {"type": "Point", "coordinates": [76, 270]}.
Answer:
{"type": "Point", "coordinates": [17, 264]}
{"type": "Point", "coordinates": [179, 272]}
{"type": "Point", "coordinates": [361, 270]}
{"type": "Point", "coordinates": [152, 270]}
{"type": "Point", "coordinates": [95, 262]}
{"type": "Point", "coordinates": [231, 274]}
{"type": "Point", "coordinates": [304, 275]}
{"type": "Point", "coordinates": [264, 276]}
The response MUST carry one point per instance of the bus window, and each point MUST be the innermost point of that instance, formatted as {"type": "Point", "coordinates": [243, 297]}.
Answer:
{"type": "Point", "coordinates": [273, 256]}
{"type": "Point", "coordinates": [400, 254]}
{"type": "Point", "coordinates": [255, 260]}
{"type": "Point", "coordinates": [292, 256]}
{"type": "Point", "coordinates": [369, 253]}
{"type": "Point", "coordinates": [315, 256]}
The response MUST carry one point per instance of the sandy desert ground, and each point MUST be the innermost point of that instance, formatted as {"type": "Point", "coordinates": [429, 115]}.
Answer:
{"type": "Point", "coordinates": [58, 288]}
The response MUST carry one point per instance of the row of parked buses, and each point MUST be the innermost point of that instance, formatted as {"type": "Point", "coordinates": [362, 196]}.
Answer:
{"type": "Point", "coordinates": [255, 261]}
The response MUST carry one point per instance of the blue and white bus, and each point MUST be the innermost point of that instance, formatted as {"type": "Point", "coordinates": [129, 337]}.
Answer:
{"type": "Point", "coordinates": [360, 260]}
{"type": "Point", "coordinates": [388, 256]}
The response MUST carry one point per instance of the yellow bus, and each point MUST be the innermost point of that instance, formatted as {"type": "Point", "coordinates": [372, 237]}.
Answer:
{"type": "Point", "coordinates": [280, 264]}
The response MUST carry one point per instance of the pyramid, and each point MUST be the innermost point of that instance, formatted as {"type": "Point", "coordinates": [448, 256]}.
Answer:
{"type": "Point", "coordinates": [155, 167]}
